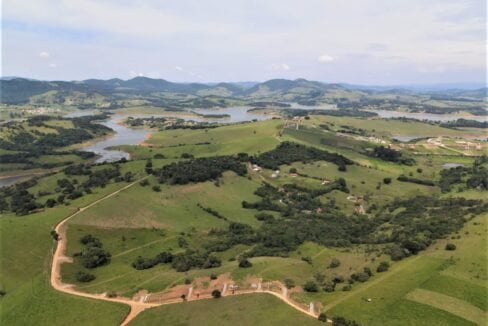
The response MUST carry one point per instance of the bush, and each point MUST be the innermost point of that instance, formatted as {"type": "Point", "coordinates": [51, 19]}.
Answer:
{"type": "Point", "coordinates": [84, 277]}
{"type": "Point", "coordinates": [307, 259]}
{"type": "Point", "coordinates": [387, 181]}
{"type": "Point", "coordinates": [450, 246]}
{"type": "Point", "coordinates": [264, 217]}
{"type": "Point", "coordinates": [347, 287]}
{"type": "Point", "coordinates": [383, 267]}
{"type": "Point", "coordinates": [322, 317]}
{"type": "Point", "coordinates": [213, 276]}
{"type": "Point", "coordinates": [244, 263]}
{"type": "Point", "coordinates": [341, 321]}
{"type": "Point", "coordinates": [289, 283]}
{"type": "Point", "coordinates": [362, 277]}
{"type": "Point", "coordinates": [334, 263]}
{"type": "Point", "coordinates": [156, 188]}
{"type": "Point", "coordinates": [310, 286]}
{"type": "Point", "coordinates": [144, 183]}
{"type": "Point", "coordinates": [216, 294]}
{"type": "Point", "coordinates": [186, 155]}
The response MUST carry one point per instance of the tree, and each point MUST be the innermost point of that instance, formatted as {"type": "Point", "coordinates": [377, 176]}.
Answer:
{"type": "Point", "coordinates": [310, 286]}
{"type": "Point", "coordinates": [216, 294]}
{"type": "Point", "coordinates": [50, 202]}
{"type": "Point", "coordinates": [450, 246]}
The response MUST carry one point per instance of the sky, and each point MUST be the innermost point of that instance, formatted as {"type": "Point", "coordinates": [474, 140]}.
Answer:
{"type": "Point", "coordinates": [373, 42]}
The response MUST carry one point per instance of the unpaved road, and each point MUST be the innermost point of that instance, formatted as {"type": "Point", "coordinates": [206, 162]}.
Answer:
{"type": "Point", "coordinates": [136, 307]}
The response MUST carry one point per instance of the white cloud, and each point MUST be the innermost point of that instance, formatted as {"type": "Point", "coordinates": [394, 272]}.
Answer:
{"type": "Point", "coordinates": [217, 37]}
{"type": "Point", "coordinates": [44, 54]}
{"type": "Point", "coordinates": [52, 65]}
{"type": "Point", "coordinates": [325, 58]}
{"type": "Point", "coordinates": [279, 67]}
{"type": "Point", "coordinates": [133, 73]}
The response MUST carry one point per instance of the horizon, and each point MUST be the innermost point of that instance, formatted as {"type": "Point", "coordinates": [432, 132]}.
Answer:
{"type": "Point", "coordinates": [370, 43]}
{"type": "Point", "coordinates": [419, 86]}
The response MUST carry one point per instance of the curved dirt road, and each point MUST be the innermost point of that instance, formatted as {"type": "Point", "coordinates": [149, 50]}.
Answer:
{"type": "Point", "coordinates": [136, 307]}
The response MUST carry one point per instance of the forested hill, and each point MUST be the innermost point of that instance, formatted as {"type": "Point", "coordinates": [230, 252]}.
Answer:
{"type": "Point", "coordinates": [114, 93]}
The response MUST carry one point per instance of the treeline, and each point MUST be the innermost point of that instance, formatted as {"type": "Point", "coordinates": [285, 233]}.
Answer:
{"type": "Point", "coordinates": [30, 144]}
{"type": "Point", "coordinates": [200, 169]}
{"type": "Point", "coordinates": [475, 177]}
{"type": "Point", "coordinates": [465, 123]}
{"type": "Point", "coordinates": [181, 262]}
{"type": "Point", "coordinates": [289, 152]}
{"type": "Point", "coordinates": [169, 123]}
{"type": "Point", "coordinates": [19, 200]}
{"type": "Point", "coordinates": [424, 219]}
{"type": "Point", "coordinates": [333, 113]}
{"type": "Point", "coordinates": [423, 182]}
{"type": "Point", "coordinates": [391, 155]}
{"type": "Point", "coordinates": [211, 168]}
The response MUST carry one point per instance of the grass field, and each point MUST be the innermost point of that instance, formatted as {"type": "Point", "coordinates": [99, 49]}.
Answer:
{"type": "Point", "coordinates": [436, 287]}
{"type": "Point", "coordinates": [247, 137]}
{"type": "Point", "coordinates": [25, 252]}
{"type": "Point", "coordinates": [245, 310]}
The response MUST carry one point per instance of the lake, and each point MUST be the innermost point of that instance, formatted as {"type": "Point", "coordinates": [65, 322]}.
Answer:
{"type": "Point", "coordinates": [427, 116]}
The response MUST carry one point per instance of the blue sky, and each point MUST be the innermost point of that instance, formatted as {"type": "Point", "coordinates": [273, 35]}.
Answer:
{"type": "Point", "coordinates": [361, 41]}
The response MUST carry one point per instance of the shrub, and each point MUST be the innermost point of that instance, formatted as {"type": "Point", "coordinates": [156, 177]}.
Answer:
{"type": "Point", "coordinates": [289, 283]}
{"type": "Point", "coordinates": [387, 181]}
{"type": "Point", "coordinates": [367, 270]}
{"type": "Point", "coordinates": [213, 276]}
{"type": "Point", "coordinates": [310, 286]}
{"type": "Point", "coordinates": [186, 155]}
{"type": "Point", "coordinates": [334, 263]}
{"type": "Point", "coordinates": [347, 287]}
{"type": "Point", "coordinates": [156, 188]}
{"type": "Point", "coordinates": [307, 259]}
{"type": "Point", "coordinates": [54, 235]}
{"type": "Point", "coordinates": [362, 277]}
{"type": "Point", "coordinates": [84, 277]}
{"type": "Point", "coordinates": [244, 263]}
{"type": "Point", "coordinates": [264, 217]}
{"type": "Point", "coordinates": [144, 183]}
{"type": "Point", "coordinates": [450, 246]}
{"type": "Point", "coordinates": [216, 294]}
{"type": "Point", "coordinates": [383, 267]}
{"type": "Point", "coordinates": [322, 317]}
